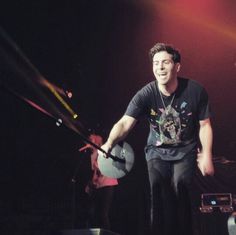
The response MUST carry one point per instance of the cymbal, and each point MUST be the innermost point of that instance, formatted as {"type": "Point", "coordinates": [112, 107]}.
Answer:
{"type": "Point", "coordinates": [119, 163]}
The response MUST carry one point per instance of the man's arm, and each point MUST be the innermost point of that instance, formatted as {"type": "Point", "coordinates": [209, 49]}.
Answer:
{"type": "Point", "coordinates": [205, 163]}
{"type": "Point", "coordinates": [119, 131]}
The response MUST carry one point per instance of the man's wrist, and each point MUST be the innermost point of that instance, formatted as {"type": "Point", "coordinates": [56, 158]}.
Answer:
{"type": "Point", "coordinates": [110, 144]}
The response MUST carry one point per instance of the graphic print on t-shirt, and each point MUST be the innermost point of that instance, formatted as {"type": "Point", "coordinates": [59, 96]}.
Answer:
{"type": "Point", "coordinates": [170, 126]}
{"type": "Point", "coordinates": [170, 123]}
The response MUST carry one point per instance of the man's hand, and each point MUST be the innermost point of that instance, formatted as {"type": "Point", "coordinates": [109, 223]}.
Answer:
{"type": "Point", "coordinates": [205, 164]}
{"type": "Point", "coordinates": [107, 148]}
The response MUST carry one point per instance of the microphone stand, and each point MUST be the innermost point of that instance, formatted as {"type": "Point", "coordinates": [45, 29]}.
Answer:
{"type": "Point", "coordinates": [74, 194]}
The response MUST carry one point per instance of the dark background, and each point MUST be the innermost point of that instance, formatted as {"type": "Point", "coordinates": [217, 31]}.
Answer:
{"type": "Point", "coordinates": [99, 51]}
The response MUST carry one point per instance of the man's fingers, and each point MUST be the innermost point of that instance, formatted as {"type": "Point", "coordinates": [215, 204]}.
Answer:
{"type": "Point", "coordinates": [105, 155]}
{"type": "Point", "coordinates": [201, 168]}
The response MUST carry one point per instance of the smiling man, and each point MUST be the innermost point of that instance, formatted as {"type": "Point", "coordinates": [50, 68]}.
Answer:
{"type": "Point", "coordinates": [179, 116]}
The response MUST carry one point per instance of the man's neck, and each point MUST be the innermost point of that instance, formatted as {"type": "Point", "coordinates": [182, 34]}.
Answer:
{"type": "Point", "coordinates": [169, 88]}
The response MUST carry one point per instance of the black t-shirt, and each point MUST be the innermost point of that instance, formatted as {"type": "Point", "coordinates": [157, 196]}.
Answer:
{"type": "Point", "coordinates": [174, 120]}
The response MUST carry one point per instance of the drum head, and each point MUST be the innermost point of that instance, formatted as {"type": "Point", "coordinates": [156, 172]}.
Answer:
{"type": "Point", "coordinates": [119, 165]}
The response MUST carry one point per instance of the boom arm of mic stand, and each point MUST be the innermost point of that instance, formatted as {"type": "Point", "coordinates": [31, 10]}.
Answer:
{"type": "Point", "coordinates": [115, 158]}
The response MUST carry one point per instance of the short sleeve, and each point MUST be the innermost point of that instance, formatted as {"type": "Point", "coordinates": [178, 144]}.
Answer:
{"type": "Point", "coordinates": [138, 105]}
{"type": "Point", "coordinates": [204, 110]}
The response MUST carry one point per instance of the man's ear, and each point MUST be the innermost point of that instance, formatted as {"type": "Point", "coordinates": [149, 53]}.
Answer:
{"type": "Point", "coordinates": [178, 66]}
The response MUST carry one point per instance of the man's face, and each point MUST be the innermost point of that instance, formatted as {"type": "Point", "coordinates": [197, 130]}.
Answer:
{"type": "Point", "coordinates": [164, 68]}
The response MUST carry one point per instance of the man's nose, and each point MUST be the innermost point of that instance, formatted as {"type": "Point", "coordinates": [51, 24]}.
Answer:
{"type": "Point", "coordinates": [161, 65]}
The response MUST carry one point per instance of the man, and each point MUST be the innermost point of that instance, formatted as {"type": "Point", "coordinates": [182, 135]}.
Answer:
{"type": "Point", "coordinates": [178, 112]}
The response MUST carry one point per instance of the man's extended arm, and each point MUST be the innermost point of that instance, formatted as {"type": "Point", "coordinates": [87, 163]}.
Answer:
{"type": "Point", "coordinates": [205, 163]}
{"type": "Point", "coordinates": [119, 131]}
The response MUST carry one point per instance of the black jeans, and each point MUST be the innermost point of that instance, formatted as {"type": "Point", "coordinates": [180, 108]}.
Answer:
{"type": "Point", "coordinates": [170, 211]}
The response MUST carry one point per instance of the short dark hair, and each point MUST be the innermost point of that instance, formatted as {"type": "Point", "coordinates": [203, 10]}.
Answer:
{"type": "Point", "coordinates": [165, 47]}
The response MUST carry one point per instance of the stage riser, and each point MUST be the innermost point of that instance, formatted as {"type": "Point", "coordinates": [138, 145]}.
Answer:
{"type": "Point", "coordinates": [92, 231]}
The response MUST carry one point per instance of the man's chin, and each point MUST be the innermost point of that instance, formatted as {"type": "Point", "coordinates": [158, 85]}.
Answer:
{"type": "Point", "coordinates": [162, 82]}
